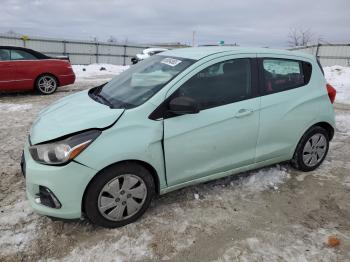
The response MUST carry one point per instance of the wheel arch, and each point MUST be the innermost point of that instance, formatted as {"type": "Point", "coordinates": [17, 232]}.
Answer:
{"type": "Point", "coordinates": [46, 73]}
{"type": "Point", "coordinates": [144, 164]}
{"type": "Point", "coordinates": [328, 127]}
{"type": "Point", "coordinates": [325, 125]}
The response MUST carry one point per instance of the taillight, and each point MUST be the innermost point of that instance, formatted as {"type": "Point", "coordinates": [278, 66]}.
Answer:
{"type": "Point", "coordinates": [331, 92]}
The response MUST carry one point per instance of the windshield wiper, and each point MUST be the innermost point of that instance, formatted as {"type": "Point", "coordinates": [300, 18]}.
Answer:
{"type": "Point", "coordinates": [95, 94]}
{"type": "Point", "coordinates": [104, 100]}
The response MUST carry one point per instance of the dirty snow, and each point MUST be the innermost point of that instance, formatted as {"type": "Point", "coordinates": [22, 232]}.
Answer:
{"type": "Point", "coordinates": [343, 123]}
{"type": "Point", "coordinates": [280, 247]}
{"type": "Point", "coordinates": [265, 179]}
{"type": "Point", "coordinates": [120, 250]}
{"type": "Point", "coordinates": [339, 78]}
{"type": "Point", "coordinates": [14, 107]}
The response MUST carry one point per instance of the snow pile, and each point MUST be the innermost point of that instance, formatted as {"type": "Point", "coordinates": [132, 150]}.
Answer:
{"type": "Point", "coordinates": [93, 70]}
{"type": "Point", "coordinates": [339, 78]}
{"type": "Point", "coordinates": [264, 179]}
{"type": "Point", "coordinates": [14, 107]}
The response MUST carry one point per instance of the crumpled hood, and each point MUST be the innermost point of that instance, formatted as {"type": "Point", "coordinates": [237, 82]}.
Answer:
{"type": "Point", "coordinates": [72, 114]}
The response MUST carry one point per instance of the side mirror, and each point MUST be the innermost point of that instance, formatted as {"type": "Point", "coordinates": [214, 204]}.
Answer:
{"type": "Point", "coordinates": [183, 105]}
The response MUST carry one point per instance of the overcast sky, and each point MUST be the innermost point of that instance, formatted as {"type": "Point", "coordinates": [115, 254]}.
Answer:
{"type": "Point", "coordinates": [247, 22]}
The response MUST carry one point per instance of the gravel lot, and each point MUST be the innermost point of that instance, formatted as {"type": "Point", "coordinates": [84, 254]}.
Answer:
{"type": "Point", "coordinates": [271, 214]}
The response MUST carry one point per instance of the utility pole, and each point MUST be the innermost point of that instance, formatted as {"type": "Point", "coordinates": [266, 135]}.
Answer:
{"type": "Point", "coordinates": [193, 36]}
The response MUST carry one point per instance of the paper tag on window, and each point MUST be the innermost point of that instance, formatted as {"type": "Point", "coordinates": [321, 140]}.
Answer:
{"type": "Point", "coordinates": [171, 61]}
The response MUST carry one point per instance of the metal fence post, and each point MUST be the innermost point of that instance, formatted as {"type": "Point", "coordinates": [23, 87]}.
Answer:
{"type": "Point", "coordinates": [64, 47]}
{"type": "Point", "coordinates": [318, 47]}
{"type": "Point", "coordinates": [97, 53]}
{"type": "Point", "coordinates": [124, 56]}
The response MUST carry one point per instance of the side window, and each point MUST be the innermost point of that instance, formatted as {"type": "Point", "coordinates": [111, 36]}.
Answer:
{"type": "Point", "coordinates": [220, 84]}
{"type": "Point", "coordinates": [283, 74]}
{"type": "Point", "coordinates": [21, 55]}
{"type": "Point", "coordinates": [4, 55]}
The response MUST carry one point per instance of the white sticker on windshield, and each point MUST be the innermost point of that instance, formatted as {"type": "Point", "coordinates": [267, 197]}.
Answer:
{"type": "Point", "coordinates": [171, 61]}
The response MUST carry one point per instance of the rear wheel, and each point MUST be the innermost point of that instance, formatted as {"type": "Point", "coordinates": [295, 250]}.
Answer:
{"type": "Point", "coordinates": [119, 195]}
{"type": "Point", "coordinates": [311, 150]}
{"type": "Point", "coordinates": [46, 84]}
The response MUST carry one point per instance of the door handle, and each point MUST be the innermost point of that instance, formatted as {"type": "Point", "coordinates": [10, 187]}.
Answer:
{"type": "Point", "coordinates": [243, 112]}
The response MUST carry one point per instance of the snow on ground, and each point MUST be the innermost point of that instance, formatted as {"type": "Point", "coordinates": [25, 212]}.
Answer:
{"type": "Point", "coordinates": [264, 179]}
{"type": "Point", "coordinates": [339, 78]}
{"type": "Point", "coordinates": [343, 123]}
{"type": "Point", "coordinates": [281, 247]}
{"type": "Point", "coordinates": [120, 250]}
{"type": "Point", "coordinates": [91, 71]}
{"type": "Point", "coordinates": [17, 227]}
{"type": "Point", "coordinates": [14, 107]}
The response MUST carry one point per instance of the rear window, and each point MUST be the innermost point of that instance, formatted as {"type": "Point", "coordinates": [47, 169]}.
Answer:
{"type": "Point", "coordinates": [284, 74]}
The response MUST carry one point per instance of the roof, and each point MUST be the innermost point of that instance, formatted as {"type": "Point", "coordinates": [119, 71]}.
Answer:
{"type": "Point", "coordinates": [31, 51]}
{"type": "Point", "coordinates": [197, 53]}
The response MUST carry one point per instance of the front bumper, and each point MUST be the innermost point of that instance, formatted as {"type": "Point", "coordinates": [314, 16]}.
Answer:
{"type": "Point", "coordinates": [67, 183]}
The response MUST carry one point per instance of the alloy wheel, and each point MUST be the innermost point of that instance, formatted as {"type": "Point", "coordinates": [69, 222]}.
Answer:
{"type": "Point", "coordinates": [47, 84]}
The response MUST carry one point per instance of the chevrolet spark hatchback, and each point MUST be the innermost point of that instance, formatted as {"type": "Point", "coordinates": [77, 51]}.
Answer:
{"type": "Point", "coordinates": [178, 118]}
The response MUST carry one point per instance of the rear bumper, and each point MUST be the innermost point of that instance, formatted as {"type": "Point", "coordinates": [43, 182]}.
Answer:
{"type": "Point", "coordinates": [66, 79]}
{"type": "Point", "coordinates": [67, 183]}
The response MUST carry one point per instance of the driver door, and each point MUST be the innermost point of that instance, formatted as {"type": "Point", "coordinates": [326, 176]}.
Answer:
{"type": "Point", "coordinates": [223, 135]}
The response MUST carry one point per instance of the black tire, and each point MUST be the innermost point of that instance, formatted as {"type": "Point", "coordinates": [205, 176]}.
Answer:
{"type": "Point", "coordinates": [51, 89]}
{"type": "Point", "coordinates": [91, 201]}
{"type": "Point", "coordinates": [298, 160]}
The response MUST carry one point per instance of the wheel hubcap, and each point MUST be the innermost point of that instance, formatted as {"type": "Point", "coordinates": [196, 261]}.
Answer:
{"type": "Point", "coordinates": [122, 197]}
{"type": "Point", "coordinates": [47, 84]}
{"type": "Point", "coordinates": [314, 150]}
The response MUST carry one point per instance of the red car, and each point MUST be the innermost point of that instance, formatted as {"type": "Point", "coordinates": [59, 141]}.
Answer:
{"type": "Point", "coordinates": [25, 69]}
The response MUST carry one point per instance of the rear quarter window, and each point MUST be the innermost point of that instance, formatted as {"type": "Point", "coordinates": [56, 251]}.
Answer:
{"type": "Point", "coordinates": [284, 74]}
{"type": "Point", "coordinates": [4, 55]}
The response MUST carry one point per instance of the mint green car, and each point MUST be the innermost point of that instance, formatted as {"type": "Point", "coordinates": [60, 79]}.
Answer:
{"type": "Point", "coordinates": [176, 119]}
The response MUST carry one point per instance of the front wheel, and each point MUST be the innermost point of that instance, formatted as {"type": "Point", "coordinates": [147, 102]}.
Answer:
{"type": "Point", "coordinates": [46, 84]}
{"type": "Point", "coordinates": [311, 150]}
{"type": "Point", "coordinates": [119, 195]}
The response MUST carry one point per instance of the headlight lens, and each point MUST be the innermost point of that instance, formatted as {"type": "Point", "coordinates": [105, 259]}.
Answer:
{"type": "Point", "coordinates": [60, 152]}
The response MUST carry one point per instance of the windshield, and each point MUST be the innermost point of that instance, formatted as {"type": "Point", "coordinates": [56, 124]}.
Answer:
{"type": "Point", "coordinates": [141, 81]}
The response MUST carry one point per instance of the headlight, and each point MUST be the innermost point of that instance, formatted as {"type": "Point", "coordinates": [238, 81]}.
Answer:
{"type": "Point", "coordinates": [60, 152]}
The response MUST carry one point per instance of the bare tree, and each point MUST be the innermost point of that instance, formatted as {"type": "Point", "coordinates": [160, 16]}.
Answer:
{"type": "Point", "coordinates": [300, 37]}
